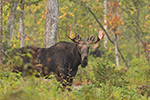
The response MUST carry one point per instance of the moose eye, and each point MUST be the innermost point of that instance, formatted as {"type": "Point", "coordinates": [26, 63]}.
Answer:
{"type": "Point", "coordinates": [80, 48]}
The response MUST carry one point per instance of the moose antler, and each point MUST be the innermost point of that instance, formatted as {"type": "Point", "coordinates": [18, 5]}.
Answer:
{"type": "Point", "coordinates": [76, 36]}
{"type": "Point", "coordinates": [99, 37]}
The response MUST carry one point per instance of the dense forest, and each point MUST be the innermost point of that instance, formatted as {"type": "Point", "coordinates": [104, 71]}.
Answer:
{"type": "Point", "coordinates": [118, 66]}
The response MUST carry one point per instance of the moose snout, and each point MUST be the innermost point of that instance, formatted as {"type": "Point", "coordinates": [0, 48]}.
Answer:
{"type": "Point", "coordinates": [84, 61]}
{"type": "Point", "coordinates": [85, 58]}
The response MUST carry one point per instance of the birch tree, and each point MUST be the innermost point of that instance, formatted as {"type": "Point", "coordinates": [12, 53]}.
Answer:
{"type": "Point", "coordinates": [21, 30]}
{"type": "Point", "coordinates": [1, 25]}
{"type": "Point", "coordinates": [11, 20]}
{"type": "Point", "coordinates": [113, 24]}
{"type": "Point", "coordinates": [116, 49]}
{"type": "Point", "coordinates": [51, 23]}
{"type": "Point", "coordinates": [105, 24]}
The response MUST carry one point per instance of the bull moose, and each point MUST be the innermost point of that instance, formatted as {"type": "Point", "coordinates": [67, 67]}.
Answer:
{"type": "Point", "coordinates": [62, 59]}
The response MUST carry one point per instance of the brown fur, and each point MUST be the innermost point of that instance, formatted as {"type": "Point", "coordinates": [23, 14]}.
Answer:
{"type": "Point", "coordinates": [62, 59]}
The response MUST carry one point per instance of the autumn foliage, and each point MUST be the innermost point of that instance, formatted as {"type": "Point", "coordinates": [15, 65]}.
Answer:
{"type": "Point", "coordinates": [114, 19]}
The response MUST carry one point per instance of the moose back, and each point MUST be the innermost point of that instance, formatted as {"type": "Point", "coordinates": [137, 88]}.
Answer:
{"type": "Point", "coordinates": [62, 59]}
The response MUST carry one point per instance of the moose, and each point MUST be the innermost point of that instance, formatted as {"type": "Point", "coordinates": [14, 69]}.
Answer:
{"type": "Point", "coordinates": [96, 52]}
{"type": "Point", "coordinates": [62, 59]}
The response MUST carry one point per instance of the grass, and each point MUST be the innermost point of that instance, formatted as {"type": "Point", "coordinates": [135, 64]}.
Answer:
{"type": "Point", "coordinates": [90, 83]}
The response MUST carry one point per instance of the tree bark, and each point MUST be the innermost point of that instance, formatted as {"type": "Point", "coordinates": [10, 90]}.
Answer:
{"type": "Point", "coordinates": [116, 42]}
{"type": "Point", "coordinates": [105, 24]}
{"type": "Point", "coordinates": [51, 23]}
{"type": "Point", "coordinates": [116, 49]}
{"type": "Point", "coordinates": [10, 22]}
{"type": "Point", "coordinates": [21, 30]}
{"type": "Point", "coordinates": [1, 34]}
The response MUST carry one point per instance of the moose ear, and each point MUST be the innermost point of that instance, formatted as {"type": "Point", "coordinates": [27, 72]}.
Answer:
{"type": "Point", "coordinates": [91, 39]}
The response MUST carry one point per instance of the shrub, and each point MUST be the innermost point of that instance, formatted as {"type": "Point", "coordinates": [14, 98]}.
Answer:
{"type": "Point", "coordinates": [106, 72]}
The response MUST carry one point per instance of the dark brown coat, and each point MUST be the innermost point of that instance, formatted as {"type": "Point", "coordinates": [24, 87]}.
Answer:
{"type": "Point", "coordinates": [62, 59]}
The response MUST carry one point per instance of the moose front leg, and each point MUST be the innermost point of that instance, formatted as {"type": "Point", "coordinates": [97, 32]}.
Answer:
{"type": "Point", "coordinates": [66, 80]}
{"type": "Point", "coordinates": [62, 76]}
{"type": "Point", "coordinates": [66, 76]}
{"type": "Point", "coordinates": [71, 76]}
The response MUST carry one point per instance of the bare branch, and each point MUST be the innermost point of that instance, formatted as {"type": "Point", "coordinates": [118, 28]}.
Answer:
{"type": "Point", "coordinates": [107, 35]}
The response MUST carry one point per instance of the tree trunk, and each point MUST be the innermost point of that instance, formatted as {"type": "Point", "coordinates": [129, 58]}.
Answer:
{"type": "Point", "coordinates": [1, 25]}
{"type": "Point", "coordinates": [116, 49]}
{"type": "Point", "coordinates": [105, 24]}
{"type": "Point", "coordinates": [116, 42]}
{"type": "Point", "coordinates": [51, 23]}
{"type": "Point", "coordinates": [21, 30]}
{"type": "Point", "coordinates": [10, 22]}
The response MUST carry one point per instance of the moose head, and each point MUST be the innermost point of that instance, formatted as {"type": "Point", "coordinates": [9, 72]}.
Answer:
{"type": "Point", "coordinates": [84, 44]}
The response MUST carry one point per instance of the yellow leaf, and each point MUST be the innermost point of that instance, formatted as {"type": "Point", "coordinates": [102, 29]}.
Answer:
{"type": "Point", "coordinates": [120, 3]}
{"type": "Point", "coordinates": [147, 37]}
{"type": "Point", "coordinates": [14, 45]}
{"type": "Point", "coordinates": [60, 17]}
{"type": "Point", "coordinates": [27, 39]}
{"type": "Point", "coordinates": [146, 16]}
{"type": "Point", "coordinates": [72, 15]}
{"type": "Point", "coordinates": [64, 14]}
{"type": "Point", "coordinates": [25, 5]}
{"type": "Point", "coordinates": [38, 22]}
{"type": "Point", "coordinates": [97, 1]}
{"type": "Point", "coordinates": [135, 10]}
{"type": "Point", "coordinates": [132, 12]}
{"type": "Point", "coordinates": [110, 49]}
{"type": "Point", "coordinates": [42, 16]}
{"type": "Point", "coordinates": [105, 17]}
{"type": "Point", "coordinates": [81, 25]}
{"type": "Point", "coordinates": [38, 7]}
{"type": "Point", "coordinates": [18, 35]}
{"type": "Point", "coordinates": [18, 8]}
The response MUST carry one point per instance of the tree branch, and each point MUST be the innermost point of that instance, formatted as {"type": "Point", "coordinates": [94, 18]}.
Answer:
{"type": "Point", "coordinates": [134, 19]}
{"type": "Point", "coordinates": [107, 35]}
{"type": "Point", "coordinates": [100, 25]}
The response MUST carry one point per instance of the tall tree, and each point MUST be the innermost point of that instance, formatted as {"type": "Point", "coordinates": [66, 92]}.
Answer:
{"type": "Point", "coordinates": [11, 20]}
{"type": "Point", "coordinates": [116, 48]}
{"type": "Point", "coordinates": [105, 22]}
{"type": "Point", "coordinates": [51, 23]}
{"type": "Point", "coordinates": [116, 16]}
{"type": "Point", "coordinates": [113, 23]}
{"type": "Point", "coordinates": [1, 25]}
{"type": "Point", "coordinates": [21, 30]}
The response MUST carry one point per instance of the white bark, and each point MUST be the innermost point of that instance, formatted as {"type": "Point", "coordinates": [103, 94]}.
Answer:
{"type": "Point", "coordinates": [1, 25]}
{"type": "Point", "coordinates": [105, 24]}
{"type": "Point", "coordinates": [10, 22]}
{"type": "Point", "coordinates": [116, 50]}
{"type": "Point", "coordinates": [21, 30]}
{"type": "Point", "coordinates": [51, 23]}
